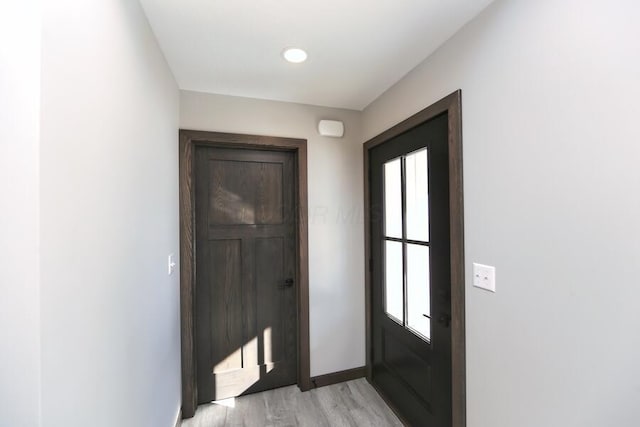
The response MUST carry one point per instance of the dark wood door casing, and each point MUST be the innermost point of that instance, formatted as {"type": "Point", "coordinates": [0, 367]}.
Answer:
{"type": "Point", "coordinates": [451, 106]}
{"type": "Point", "coordinates": [189, 140]}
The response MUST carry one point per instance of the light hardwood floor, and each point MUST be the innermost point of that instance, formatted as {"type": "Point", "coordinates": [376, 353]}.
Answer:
{"type": "Point", "coordinates": [353, 403]}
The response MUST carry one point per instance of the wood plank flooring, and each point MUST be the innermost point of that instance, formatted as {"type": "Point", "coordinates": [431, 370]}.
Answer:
{"type": "Point", "coordinates": [353, 403]}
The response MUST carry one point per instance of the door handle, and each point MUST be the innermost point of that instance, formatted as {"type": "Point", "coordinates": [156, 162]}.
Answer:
{"type": "Point", "coordinates": [288, 283]}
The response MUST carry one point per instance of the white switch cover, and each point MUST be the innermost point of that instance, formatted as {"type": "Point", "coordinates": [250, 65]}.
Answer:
{"type": "Point", "coordinates": [171, 264]}
{"type": "Point", "coordinates": [484, 276]}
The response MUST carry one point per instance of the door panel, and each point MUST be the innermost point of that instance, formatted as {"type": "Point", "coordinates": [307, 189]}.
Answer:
{"type": "Point", "coordinates": [245, 193]}
{"type": "Point", "coordinates": [225, 302]}
{"type": "Point", "coordinates": [410, 251]}
{"type": "Point", "coordinates": [411, 368]}
{"type": "Point", "coordinates": [246, 327]}
{"type": "Point", "coordinates": [270, 270]}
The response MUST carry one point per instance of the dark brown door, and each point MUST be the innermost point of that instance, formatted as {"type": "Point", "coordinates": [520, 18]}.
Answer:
{"type": "Point", "coordinates": [411, 283]}
{"type": "Point", "coordinates": [246, 329]}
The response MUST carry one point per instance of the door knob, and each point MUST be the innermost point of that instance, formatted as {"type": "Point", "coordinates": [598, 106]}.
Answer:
{"type": "Point", "coordinates": [288, 283]}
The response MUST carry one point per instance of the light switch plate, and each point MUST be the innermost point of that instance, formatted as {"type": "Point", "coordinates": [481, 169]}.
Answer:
{"type": "Point", "coordinates": [484, 277]}
{"type": "Point", "coordinates": [171, 264]}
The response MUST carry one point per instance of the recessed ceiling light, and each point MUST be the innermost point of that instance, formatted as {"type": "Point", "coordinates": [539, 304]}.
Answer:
{"type": "Point", "coordinates": [295, 55]}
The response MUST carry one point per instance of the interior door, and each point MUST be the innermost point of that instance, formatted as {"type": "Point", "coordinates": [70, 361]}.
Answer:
{"type": "Point", "coordinates": [411, 279]}
{"type": "Point", "coordinates": [246, 327]}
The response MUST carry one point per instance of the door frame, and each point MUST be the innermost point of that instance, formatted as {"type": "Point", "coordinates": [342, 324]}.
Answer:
{"type": "Point", "coordinates": [451, 105]}
{"type": "Point", "coordinates": [189, 140]}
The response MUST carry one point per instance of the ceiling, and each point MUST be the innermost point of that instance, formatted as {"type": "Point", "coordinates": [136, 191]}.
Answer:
{"type": "Point", "coordinates": [357, 48]}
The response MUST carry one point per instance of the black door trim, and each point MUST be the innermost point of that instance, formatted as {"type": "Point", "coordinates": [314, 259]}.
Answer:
{"type": "Point", "coordinates": [451, 105]}
{"type": "Point", "coordinates": [188, 140]}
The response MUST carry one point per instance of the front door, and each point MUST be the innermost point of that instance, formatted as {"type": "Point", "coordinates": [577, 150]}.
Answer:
{"type": "Point", "coordinates": [411, 279]}
{"type": "Point", "coordinates": [245, 273]}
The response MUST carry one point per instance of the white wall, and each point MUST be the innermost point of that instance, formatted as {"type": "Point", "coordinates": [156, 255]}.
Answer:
{"type": "Point", "coordinates": [552, 199]}
{"type": "Point", "coordinates": [336, 259]}
{"type": "Point", "coordinates": [109, 218]}
{"type": "Point", "coordinates": [19, 142]}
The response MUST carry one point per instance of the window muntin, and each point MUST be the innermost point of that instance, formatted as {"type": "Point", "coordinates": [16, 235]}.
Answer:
{"type": "Point", "coordinates": [406, 242]}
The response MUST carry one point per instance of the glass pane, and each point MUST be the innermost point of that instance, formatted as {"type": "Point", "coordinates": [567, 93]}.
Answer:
{"type": "Point", "coordinates": [392, 199]}
{"type": "Point", "coordinates": [393, 280]}
{"type": "Point", "coordinates": [417, 196]}
{"type": "Point", "coordinates": [418, 301]}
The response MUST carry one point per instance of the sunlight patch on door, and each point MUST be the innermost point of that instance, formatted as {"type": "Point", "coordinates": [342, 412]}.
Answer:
{"type": "Point", "coordinates": [229, 363]}
{"type": "Point", "coordinates": [231, 207]}
{"type": "Point", "coordinates": [245, 366]}
{"type": "Point", "coordinates": [268, 346]}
